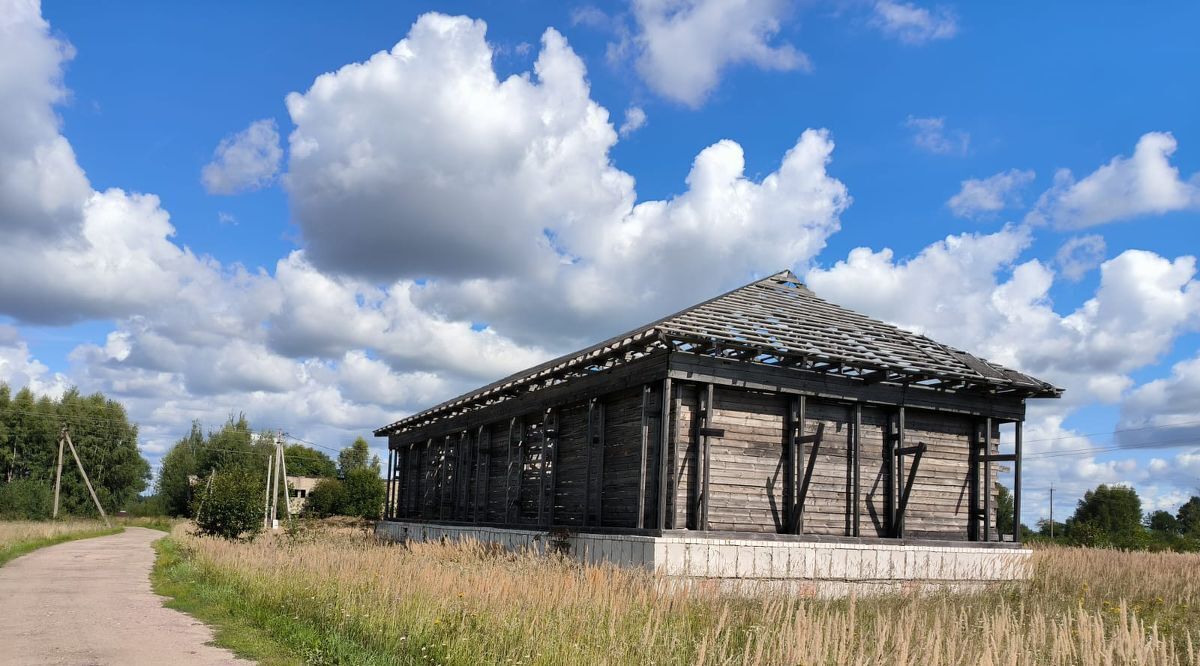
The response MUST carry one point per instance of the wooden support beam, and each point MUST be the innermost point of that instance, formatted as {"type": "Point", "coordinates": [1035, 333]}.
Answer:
{"type": "Point", "coordinates": [889, 474]}
{"type": "Point", "coordinates": [1017, 483]}
{"type": "Point", "coordinates": [391, 470]}
{"type": "Point", "coordinates": [973, 484]}
{"type": "Point", "coordinates": [483, 484]}
{"type": "Point", "coordinates": [899, 467]}
{"type": "Point", "coordinates": [601, 442]}
{"type": "Point", "coordinates": [508, 474]}
{"type": "Point", "coordinates": [857, 476]}
{"type": "Point", "coordinates": [677, 458]}
{"type": "Point", "coordinates": [907, 492]}
{"type": "Point", "coordinates": [802, 442]}
{"type": "Point", "coordinates": [788, 462]}
{"type": "Point", "coordinates": [999, 457]}
{"type": "Point", "coordinates": [707, 406]}
{"type": "Point", "coordinates": [808, 473]}
{"type": "Point", "coordinates": [643, 457]}
{"type": "Point", "coordinates": [550, 439]}
{"type": "Point", "coordinates": [587, 473]}
{"type": "Point", "coordinates": [987, 480]}
{"type": "Point", "coordinates": [664, 445]}
{"type": "Point", "coordinates": [86, 481]}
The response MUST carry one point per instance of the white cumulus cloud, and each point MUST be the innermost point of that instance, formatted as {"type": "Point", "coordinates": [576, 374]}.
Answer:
{"type": "Point", "coordinates": [246, 161]}
{"type": "Point", "coordinates": [912, 24]}
{"type": "Point", "coordinates": [681, 47]}
{"type": "Point", "coordinates": [932, 136]}
{"type": "Point", "coordinates": [1145, 183]}
{"type": "Point", "coordinates": [981, 196]}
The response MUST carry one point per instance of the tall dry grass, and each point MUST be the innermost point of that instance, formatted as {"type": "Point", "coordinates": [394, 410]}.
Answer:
{"type": "Point", "coordinates": [466, 604]}
{"type": "Point", "coordinates": [15, 531]}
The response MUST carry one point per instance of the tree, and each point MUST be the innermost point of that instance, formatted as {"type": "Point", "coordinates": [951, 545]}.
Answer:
{"type": "Point", "coordinates": [231, 507]}
{"type": "Point", "coordinates": [104, 438]}
{"type": "Point", "coordinates": [356, 456]}
{"type": "Point", "coordinates": [1163, 521]}
{"type": "Point", "coordinates": [326, 499]}
{"type": "Point", "coordinates": [1189, 517]}
{"type": "Point", "coordinates": [1107, 516]}
{"type": "Point", "coordinates": [177, 472]}
{"type": "Point", "coordinates": [1004, 510]}
{"type": "Point", "coordinates": [364, 494]}
{"type": "Point", "coordinates": [305, 461]}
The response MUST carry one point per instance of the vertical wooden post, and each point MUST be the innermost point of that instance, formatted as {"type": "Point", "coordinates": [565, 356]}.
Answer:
{"type": "Point", "coordinates": [857, 477]}
{"type": "Point", "coordinates": [987, 479]}
{"type": "Point", "coordinates": [587, 474]}
{"type": "Point", "coordinates": [267, 493]}
{"type": "Point", "coordinates": [62, 437]}
{"type": "Point", "coordinates": [287, 495]}
{"type": "Point", "coordinates": [75, 454]}
{"type": "Point", "coordinates": [274, 489]}
{"type": "Point", "coordinates": [550, 439]}
{"type": "Point", "coordinates": [900, 471]}
{"type": "Point", "coordinates": [705, 497]}
{"type": "Point", "coordinates": [601, 443]}
{"type": "Point", "coordinates": [801, 463]}
{"type": "Point", "coordinates": [664, 441]}
{"type": "Point", "coordinates": [642, 457]}
{"type": "Point", "coordinates": [387, 496]}
{"type": "Point", "coordinates": [973, 484]}
{"type": "Point", "coordinates": [508, 472]}
{"type": "Point", "coordinates": [483, 471]}
{"type": "Point", "coordinates": [1017, 485]}
{"type": "Point", "coordinates": [676, 455]}
{"type": "Point", "coordinates": [788, 463]}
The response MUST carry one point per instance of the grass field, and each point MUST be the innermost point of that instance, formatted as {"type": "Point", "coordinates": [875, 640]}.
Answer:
{"type": "Point", "coordinates": [19, 537]}
{"type": "Point", "coordinates": [336, 595]}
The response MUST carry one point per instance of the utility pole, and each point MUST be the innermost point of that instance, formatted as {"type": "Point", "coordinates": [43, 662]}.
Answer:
{"type": "Point", "coordinates": [66, 434]}
{"type": "Point", "coordinates": [1052, 512]}
{"type": "Point", "coordinates": [276, 476]}
{"type": "Point", "coordinates": [62, 437]}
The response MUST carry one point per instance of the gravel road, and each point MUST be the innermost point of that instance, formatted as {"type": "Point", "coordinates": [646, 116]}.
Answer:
{"type": "Point", "coordinates": [89, 602]}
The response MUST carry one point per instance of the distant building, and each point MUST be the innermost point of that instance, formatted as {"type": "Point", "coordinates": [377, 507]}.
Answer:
{"type": "Point", "coordinates": [298, 489]}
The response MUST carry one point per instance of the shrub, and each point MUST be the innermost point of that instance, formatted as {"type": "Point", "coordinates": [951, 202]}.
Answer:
{"type": "Point", "coordinates": [232, 507]}
{"type": "Point", "coordinates": [326, 499]}
{"type": "Point", "coordinates": [26, 499]}
{"type": "Point", "coordinates": [364, 493]}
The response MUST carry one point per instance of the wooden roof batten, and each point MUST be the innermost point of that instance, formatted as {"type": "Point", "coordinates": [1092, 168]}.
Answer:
{"type": "Point", "coordinates": [774, 321]}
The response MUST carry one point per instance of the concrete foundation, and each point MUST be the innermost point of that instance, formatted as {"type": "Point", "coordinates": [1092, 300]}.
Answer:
{"type": "Point", "coordinates": [789, 564]}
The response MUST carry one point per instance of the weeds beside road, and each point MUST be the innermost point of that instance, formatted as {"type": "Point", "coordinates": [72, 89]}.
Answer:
{"type": "Point", "coordinates": [19, 537]}
{"type": "Point", "coordinates": [336, 595]}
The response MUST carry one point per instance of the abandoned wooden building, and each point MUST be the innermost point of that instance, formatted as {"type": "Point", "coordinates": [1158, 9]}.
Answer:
{"type": "Point", "coordinates": [765, 414]}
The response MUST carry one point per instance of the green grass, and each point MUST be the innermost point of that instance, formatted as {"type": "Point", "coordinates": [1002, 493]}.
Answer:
{"type": "Point", "coordinates": [12, 551]}
{"type": "Point", "coordinates": [265, 634]}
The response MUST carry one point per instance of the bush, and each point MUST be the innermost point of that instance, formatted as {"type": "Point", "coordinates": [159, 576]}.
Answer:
{"type": "Point", "coordinates": [232, 507]}
{"type": "Point", "coordinates": [26, 499]}
{"type": "Point", "coordinates": [365, 493]}
{"type": "Point", "coordinates": [326, 499]}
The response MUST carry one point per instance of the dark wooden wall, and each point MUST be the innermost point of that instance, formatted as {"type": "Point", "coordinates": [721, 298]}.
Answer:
{"type": "Point", "coordinates": [596, 463]}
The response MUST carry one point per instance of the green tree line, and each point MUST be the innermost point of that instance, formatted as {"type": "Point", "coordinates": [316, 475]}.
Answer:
{"type": "Point", "coordinates": [105, 439]}
{"type": "Point", "coordinates": [1111, 516]}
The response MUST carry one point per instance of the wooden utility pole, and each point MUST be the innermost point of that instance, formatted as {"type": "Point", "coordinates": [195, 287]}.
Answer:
{"type": "Point", "coordinates": [267, 494]}
{"type": "Point", "coordinates": [74, 454]}
{"type": "Point", "coordinates": [62, 440]}
{"type": "Point", "coordinates": [287, 501]}
{"type": "Point", "coordinates": [1052, 512]}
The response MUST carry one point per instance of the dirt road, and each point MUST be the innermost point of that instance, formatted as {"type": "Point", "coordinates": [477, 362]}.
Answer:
{"type": "Point", "coordinates": [89, 602]}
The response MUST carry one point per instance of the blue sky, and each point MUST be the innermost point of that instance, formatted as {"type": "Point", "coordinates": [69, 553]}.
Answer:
{"type": "Point", "coordinates": [911, 102]}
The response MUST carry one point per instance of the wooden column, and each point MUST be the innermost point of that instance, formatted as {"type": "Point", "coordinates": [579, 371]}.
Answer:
{"type": "Point", "coordinates": [643, 457]}
{"type": "Point", "coordinates": [707, 406]}
{"type": "Point", "coordinates": [508, 472]}
{"type": "Point", "coordinates": [973, 484]}
{"type": "Point", "coordinates": [676, 456]}
{"type": "Point", "coordinates": [801, 458]}
{"type": "Point", "coordinates": [550, 443]}
{"type": "Point", "coordinates": [1017, 484]}
{"type": "Point", "coordinates": [987, 479]}
{"type": "Point", "coordinates": [899, 462]}
{"type": "Point", "coordinates": [856, 476]}
{"type": "Point", "coordinates": [664, 445]}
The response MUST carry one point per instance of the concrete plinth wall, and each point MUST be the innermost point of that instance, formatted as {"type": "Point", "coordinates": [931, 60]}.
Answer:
{"type": "Point", "coordinates": [793, 565]}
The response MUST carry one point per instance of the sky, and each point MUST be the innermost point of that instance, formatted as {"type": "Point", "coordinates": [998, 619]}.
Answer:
{"type": "Point", "coordinates": [328, 217]}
